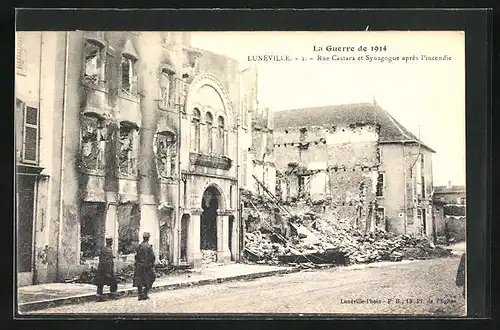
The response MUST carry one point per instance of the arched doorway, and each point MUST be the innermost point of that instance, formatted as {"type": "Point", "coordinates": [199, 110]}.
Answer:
{"type": "Point", "coordinates": [208, 224]}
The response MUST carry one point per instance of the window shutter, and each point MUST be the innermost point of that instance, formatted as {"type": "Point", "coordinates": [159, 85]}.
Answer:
{"type": "Point", "coordinates": [30, 138]}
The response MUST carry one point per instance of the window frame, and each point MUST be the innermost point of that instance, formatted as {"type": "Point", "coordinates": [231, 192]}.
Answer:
{"type": "Point", "coordinates": [133, 78]}
{"type": "Point", "coordinates": [382, 195]}
{"type": "Point", "coordinates": [168, 75]}
{"type": "Point", "coordinates": [23, 140]}
{"type": "Point", "coordinates": [132, 167]}
{"type": "Point", "coordinates": [196, 124]}
{"type": "Point", "coordinates": [170, 169]}
{"type": "Point", "coordinates": [209, 123]}
{"type": "Point", "coordinates": [221, 138]}
{"type": "Point", "coordinates": [101, 124]}
{"type": "Point", "coordinates": [101, 81]}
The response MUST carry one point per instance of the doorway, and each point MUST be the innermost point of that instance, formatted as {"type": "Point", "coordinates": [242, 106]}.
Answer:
{"type": "Point", "coordinates": [25, 219]}
{"type": "Point", "coordinates": [184, 237]}
{"type": "Point", "coordinates": [230, 233]}
{"type": "Point", "coordinates": [208, 223]}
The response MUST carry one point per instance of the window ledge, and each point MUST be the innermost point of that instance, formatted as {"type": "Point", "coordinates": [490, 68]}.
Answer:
{"type": "Point", "coordinates": [92, 172]}
{"type": "Point", "coordinates": [127, 177]}
{"type": "Point", "coordinates": [100, 86]}
{"type": "Point", "coordinates": [130, 97]}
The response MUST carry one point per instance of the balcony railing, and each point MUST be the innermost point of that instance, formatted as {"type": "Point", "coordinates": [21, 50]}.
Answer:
{"type": "Point", "coordinates": [210, 160]}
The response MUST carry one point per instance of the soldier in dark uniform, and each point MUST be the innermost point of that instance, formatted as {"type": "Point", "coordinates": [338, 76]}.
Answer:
{"type": "Point", "coordinates": [460, 280]}
{"type": "Point", "coordinates": [144, 274]}
{"type": "Point", "coordinates": [105, 274]}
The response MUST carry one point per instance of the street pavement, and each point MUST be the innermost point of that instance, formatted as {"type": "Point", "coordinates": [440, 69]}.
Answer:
{"type": "Point", "coordinates": [410, 288]}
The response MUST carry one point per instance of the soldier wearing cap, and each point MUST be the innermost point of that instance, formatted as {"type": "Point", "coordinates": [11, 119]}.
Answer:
{"type": "Point", "coordinates": [105, 274]}
{"type": "Point", "coordinates": [144, 274]}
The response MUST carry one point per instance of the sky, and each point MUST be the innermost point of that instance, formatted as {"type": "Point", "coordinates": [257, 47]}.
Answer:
{"type": "Point", "coordinates": [427, 97]}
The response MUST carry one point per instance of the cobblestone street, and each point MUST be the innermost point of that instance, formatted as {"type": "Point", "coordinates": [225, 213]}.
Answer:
{"type": "Point", "coordinates": [415, 287]}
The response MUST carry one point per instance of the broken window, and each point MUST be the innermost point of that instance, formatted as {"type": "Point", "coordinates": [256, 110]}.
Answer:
{"type": "Point", "coordinates": [93, 53]}
{"type": "Point", "coordinates": [30, 133]}
{"type": "Point", "coordinates": [92, 229]}
{"type": "Point", "coordinates": [166, 88]}
{"type": "Point", "coordinates": [129, 77]}
{"type": "Point", "coordinates": [128, 149]}
{"type": "Point", "coordinates": [195, 123]}
{"type": "Point", "coordinates": [166, 154]}
{"type": "Point", "coordinates": [380, 217]}
{"type": "Point", "coordinates": [129, 220]}
{"type": "Point", "coordinates": [94, 136]}
{"type": "Point", "coordinates": [209, 124]}
{"type": "Point", "coordinates": [220, 135]}
{"type": "Point", "coordinates": [380, 184]}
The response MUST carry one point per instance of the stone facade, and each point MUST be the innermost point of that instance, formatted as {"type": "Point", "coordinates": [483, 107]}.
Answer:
{"type": "Point", "coordinates": [141, 133]}
{"type": "Point", "coordinates": [358, 160]}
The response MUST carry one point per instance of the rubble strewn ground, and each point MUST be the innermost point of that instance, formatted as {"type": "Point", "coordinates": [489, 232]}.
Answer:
{"type": "Point", "coordinates": [314, 241]}
{"type": "Point", "coordinates": [125, 275]}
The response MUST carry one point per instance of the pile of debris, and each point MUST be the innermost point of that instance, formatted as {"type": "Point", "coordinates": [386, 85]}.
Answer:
{"type": "Point", "coordinates": [319, 242]}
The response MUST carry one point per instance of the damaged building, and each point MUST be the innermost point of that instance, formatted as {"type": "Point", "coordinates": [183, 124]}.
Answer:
{"type": "Point", "coordinates": [358, 163]}
{"type": "Point", "coordinates": [120, 133]}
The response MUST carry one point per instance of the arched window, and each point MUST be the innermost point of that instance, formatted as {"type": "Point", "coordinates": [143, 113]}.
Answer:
{"type": "Point", "coordinates": [220, 135]}
{"type": "Point", "coordinates": [209, 124]}
{"type": "Point", "coordinates": [166, 154]}
{"type": "Point", "coordinates": [195, 124]}
{"type": "Point", "coordinates": [128, 148]}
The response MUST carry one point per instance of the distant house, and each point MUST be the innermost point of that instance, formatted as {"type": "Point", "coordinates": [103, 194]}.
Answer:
{"type": "Point", "coordinates": [359, 159]}
{"type": "Point", "coordinates": [450, 211]}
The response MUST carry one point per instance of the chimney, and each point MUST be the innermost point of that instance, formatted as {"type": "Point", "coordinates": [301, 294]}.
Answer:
{"type": "Point", "coordinates": [449, 184]}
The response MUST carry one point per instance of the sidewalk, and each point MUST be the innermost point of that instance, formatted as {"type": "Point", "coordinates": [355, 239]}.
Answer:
{"type": "Point", "coordinates": [36, 297]}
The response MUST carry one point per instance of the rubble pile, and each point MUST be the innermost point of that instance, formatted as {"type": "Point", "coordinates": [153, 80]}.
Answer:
{"type": "Point", "coordinates": [319, 242]}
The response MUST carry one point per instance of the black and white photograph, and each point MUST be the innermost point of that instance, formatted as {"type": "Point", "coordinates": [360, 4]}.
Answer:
{"type": "Point", "coordinates": [225, 172]}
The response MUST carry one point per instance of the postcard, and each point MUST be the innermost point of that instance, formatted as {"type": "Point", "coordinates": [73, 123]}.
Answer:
{"type": "Point", "coordinates": [192, 173]}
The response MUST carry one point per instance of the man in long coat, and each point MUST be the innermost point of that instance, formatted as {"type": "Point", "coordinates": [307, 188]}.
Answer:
{"type": "Point", "coordinates": [460, 279]}
{"type": "Point", "coordinates": [144, 275]}
{"type": "Point", "coordinates": [105, 274]}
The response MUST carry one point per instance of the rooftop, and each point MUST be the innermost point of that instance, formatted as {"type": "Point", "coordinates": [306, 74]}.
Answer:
{"type": "Point", "coordinates": [448, 189]}
{"type": "Point", "coordinates": [333, 115]}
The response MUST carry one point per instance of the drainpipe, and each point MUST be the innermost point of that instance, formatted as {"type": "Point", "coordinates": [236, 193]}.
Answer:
{"type": "Point", "coordinates": [179, 180]}
{"type": "Point", "coordinates": [63, 144]}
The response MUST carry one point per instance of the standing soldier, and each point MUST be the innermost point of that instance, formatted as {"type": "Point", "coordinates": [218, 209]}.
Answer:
{"type": "Point", "coordinates": [105, 271]}
{"type": "Point", "coordinates": [144, 275]}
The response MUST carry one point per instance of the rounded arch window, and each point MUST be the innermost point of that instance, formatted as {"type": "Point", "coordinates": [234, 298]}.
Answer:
{"type": "Point", "coordinates": [221, 135]}
{"type": "Point", "coordinates": [195, 127]}
{"type": "Point", "coordinates": [209, 124]}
